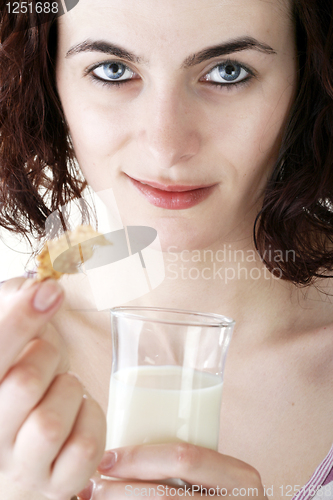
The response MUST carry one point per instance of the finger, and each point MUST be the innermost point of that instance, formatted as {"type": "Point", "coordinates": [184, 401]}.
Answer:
{"type": "Point", "coordinates": [46, 429]}
{"type": "Point", "coordinates": [22, 316]}
{"type": "Point", "coordinates": [103, 489]}
{"type": "Point", "coordinates": [83, 450]}
{"type": "Point", "coordinates": [11, 286]}
{"type": "Point", "coordinates": [193, 464]}
{"type": "Point", "coordinates": [51, 335]}
{"type": "Point", "coordinates": [25, 385]}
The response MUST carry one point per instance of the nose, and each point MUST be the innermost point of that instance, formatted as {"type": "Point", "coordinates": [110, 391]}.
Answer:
{"type": "Point", "coordinates": [168, 131]}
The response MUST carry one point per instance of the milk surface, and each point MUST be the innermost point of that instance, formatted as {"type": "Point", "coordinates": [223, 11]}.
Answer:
{"type": "Point", "coordinates": [162, 404]}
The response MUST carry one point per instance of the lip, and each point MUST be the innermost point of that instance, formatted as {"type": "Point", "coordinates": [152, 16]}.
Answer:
{"type": "Point", "coordinates": [172, 197]}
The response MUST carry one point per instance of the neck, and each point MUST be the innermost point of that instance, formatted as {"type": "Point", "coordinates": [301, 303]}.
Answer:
{"type": "Point", "coordinates": [230, 280]}
{"type": "Point", "coordinates": [233, 281]}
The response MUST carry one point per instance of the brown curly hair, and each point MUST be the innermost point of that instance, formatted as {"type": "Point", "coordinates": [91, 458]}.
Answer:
{"type": "Point", "coordinates": [38, 172]}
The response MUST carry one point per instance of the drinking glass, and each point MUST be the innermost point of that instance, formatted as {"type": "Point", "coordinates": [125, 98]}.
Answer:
{"type": "Point", "coordinates": [167, 376]}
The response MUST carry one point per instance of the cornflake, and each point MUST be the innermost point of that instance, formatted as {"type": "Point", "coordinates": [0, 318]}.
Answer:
{"type": "Point", "coordinates": [71, 250]}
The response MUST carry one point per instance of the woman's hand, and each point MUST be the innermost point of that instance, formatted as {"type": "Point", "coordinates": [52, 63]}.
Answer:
{"type": "Point", "coordinates": [204, 470]}
{"type": "Point", "coordinates": [52, 433]}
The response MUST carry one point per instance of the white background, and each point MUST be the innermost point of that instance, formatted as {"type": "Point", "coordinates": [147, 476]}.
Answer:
{"type": "Point", "coordinates": [14, 255]}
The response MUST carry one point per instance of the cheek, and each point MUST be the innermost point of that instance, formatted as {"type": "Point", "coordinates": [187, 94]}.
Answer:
{"type": "Point", "coordinates": [250, 137]}
{"type": "Point", "coordinates": [95, 132]}
{"type": "Point", "coordinates": [98, 133]}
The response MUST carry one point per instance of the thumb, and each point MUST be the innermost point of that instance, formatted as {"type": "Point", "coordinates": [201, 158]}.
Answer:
{"type": "Point", "coordinates": [97, 489]}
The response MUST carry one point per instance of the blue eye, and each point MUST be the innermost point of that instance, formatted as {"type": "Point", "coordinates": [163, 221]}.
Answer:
{"type": "Point", "coordinates": [228, 73]}
{"type": "Point", "coordinates": [113, 71]}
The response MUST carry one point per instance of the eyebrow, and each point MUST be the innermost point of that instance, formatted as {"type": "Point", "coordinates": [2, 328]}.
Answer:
{"type": "Point", "coordinates": [105, 48]}
{"type": "Point", "coordinates": [236, 45]}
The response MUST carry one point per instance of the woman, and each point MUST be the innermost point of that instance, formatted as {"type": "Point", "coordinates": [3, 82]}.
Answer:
{"type": "Point", "coordinates": [207, 119]}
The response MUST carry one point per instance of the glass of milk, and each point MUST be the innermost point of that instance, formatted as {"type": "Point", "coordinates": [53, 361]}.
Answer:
{"type": "Point", "coordinates": [167, 376]}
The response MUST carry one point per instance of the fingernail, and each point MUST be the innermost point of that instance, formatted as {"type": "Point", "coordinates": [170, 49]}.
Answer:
{"type": "Point", "coordinates": [88, 491]}
{"type": "Point", "coordinates": [75, 375]}
{"type": "Point", "coordinates": [47, 294]}
{"type": "Point", "coordinates": [108, 461]}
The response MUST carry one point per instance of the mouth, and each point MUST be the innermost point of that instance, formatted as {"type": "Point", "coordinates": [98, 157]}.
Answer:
{"type": "Point", "coordinates": [172, 197]}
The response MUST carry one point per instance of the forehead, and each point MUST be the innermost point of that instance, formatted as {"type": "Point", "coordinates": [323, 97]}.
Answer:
{"type": "Point", "coordinates": [148, 26]}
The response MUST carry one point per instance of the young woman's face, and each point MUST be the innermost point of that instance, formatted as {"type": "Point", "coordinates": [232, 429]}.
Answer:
{"type": "Point", "coordinates": [179, 107]}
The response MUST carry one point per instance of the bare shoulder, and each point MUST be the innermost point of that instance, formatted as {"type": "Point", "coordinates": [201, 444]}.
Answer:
{"type": "Point", "coordinates": [311, 344]}
{"type": "Point", "coordinates": [320, 338]}
{"type": "Point", "coordinates": [319, 303]}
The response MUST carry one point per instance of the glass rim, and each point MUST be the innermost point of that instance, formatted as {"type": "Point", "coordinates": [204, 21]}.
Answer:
{"type": "Point", "coordinates": [128, 312]}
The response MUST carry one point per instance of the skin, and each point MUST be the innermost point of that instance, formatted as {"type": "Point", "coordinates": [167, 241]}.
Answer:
{"type": "Point", "coordinates": [170, 125]}
{"type": "Point", "coordinates": [46, 413]}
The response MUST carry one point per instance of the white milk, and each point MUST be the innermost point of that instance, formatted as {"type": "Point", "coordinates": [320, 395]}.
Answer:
{"type": "Point", "coordinates": [163, 404]}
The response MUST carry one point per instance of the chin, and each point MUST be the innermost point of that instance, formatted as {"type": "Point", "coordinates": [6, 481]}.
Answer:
{"type": "Point", "coordinates": [177, 242]}
{"type": "Point", "coordinates": [177, 234]}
